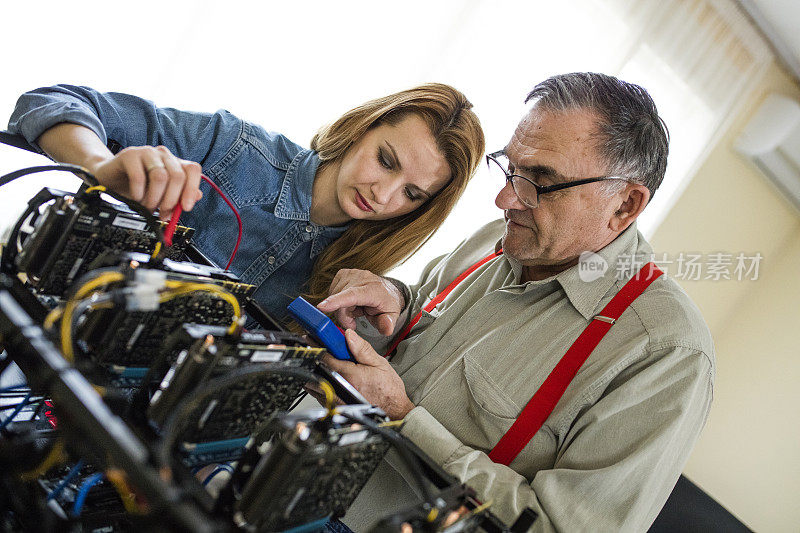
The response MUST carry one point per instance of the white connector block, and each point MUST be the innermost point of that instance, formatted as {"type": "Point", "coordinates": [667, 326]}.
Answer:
{"type": "Point", "coordinates": [143, 294]}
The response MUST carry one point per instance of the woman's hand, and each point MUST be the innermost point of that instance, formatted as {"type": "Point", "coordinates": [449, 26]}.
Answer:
{"type": "Point", "coordinates": [151, 176]}
{"type": "Point", "coordinates": [356, 293]}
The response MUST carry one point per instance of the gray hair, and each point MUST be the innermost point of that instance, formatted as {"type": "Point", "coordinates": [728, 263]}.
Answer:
{"type": "Point", "coordinates": [633, 139]}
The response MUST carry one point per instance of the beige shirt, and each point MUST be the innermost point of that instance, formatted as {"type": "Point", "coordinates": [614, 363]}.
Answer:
{"type": "Point", "coordinates": [608, 456]}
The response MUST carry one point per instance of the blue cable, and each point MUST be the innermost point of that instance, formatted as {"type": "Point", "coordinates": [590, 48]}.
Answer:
{"type": "Point", "coordinates": [63, 483]}
{"type": "Point", "coordinates": [90, 482]}
{"type": "Point", "coordinates": [220, 468]}
{"type": "Point", "coordinates": [15, 412]}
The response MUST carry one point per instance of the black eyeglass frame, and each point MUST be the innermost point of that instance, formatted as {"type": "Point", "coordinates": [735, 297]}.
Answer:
{"type": "Point", "coordinates": [541, 189]}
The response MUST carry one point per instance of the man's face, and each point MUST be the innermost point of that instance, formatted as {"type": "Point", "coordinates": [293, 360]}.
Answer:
{"type": "Point", "coordinates": [552, 147]}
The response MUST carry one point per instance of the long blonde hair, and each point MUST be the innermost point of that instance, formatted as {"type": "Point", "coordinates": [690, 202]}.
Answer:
{"type": "Point", "coordinates": [379, 245]}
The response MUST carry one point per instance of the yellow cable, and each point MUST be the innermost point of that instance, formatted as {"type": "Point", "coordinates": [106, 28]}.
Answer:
{"type": "Point", "coordinates": [66, 319]}
{"type": "Point", "coordinates": [156, 250]}
{"type": "Point", "coordinates": [330, 397]}
{"type": "Point", "coordinates": [482, 507]}
{"type": "Point", "coordinates": [117, 478]}
{"type": "Point", "coordinates": [178, 288]}
{"type": "Point", "coordinates": [52, 317]}
{"type": "Point", "coordinates": [55, 455]}
{"type": "Point", "coordinates": [181, 288]}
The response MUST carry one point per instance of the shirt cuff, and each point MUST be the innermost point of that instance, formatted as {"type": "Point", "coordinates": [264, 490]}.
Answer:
{"type": "Point", "coordinates": [431, 436]}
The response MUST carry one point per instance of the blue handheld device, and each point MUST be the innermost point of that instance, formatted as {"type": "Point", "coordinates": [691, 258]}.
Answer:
{"type": "Point", "coordinates": [321, 327]}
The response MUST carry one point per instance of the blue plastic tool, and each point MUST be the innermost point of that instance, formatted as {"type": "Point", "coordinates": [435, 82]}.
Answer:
{"type": "Point", "coordinates": [321, 327]}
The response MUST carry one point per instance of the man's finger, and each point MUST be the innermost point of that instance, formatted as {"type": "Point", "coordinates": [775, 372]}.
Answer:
{"type": "Point", "coordinates": [346, 317]}
{"type": "Point", "coordinates": [342, 367]}
{"type": "Point", "coordinates": [385, 324]}
{"type": "Point", "coordinates": [351, 297]}
{"type": "Point", "coordinates": [362, 350]}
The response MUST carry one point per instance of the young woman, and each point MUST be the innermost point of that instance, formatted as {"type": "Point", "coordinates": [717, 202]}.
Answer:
{"type": "Point", "coordinates": [372, 189]}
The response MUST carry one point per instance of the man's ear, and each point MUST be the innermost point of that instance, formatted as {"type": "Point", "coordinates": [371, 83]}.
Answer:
{"type": "Point", "coordinates": [631, 202]}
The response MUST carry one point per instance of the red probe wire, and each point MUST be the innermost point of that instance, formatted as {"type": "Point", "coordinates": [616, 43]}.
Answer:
{"type": "Point", "coordinates": [176, 214]}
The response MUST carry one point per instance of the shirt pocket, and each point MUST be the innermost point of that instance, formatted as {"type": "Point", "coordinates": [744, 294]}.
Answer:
{"type": "Point", "coordinates": [426, 318]}
{"type": "Point", "coordinates": [492, 411]}
{"type": "Point", "coordinates": [247, 176]}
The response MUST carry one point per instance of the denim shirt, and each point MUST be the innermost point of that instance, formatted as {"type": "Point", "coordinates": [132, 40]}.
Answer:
{"type": "Point", "coordinates": [266, 176]}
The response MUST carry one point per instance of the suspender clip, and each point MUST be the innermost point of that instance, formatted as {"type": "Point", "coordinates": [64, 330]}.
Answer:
{"type": "Point", "coordinates": [602, 318]}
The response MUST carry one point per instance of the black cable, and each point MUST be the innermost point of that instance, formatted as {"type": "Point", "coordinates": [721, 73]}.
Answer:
{"type": "Point", "coordinates": [79, 171]}
{"type": "Point", "coordinates": [180, 415]}
{"type": "Point", "coordinates": [80, 308]}
{"type": "Point", "coordinates": [401, 447]}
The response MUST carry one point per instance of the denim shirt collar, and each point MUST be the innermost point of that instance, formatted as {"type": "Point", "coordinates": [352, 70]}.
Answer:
{"type": "Point", "coordinates": [294, 199]}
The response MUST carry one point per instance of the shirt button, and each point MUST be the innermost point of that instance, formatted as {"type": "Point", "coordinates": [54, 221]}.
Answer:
{"type": "Point", "coordinates": [309, 229]}
{"type": "Point", "coordinates": [271, 260]}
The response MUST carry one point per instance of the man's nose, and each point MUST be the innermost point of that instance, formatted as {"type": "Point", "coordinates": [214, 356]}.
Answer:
{"type": "Point", "coordinates": [508, 199]}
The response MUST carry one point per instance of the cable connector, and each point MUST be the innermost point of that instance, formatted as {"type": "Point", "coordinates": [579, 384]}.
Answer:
{"type": "Point", "coordinates": [143, 293]}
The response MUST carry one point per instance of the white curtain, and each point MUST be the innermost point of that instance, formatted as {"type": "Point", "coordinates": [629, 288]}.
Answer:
{"type": "Point", "coordinates": [698, 58]}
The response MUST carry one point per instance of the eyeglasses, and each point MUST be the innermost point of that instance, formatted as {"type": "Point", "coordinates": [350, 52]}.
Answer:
{"type": "Point", "coordinates": [526, 190]}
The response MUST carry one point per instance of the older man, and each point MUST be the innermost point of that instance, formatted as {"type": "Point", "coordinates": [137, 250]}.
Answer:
{"type": "Point", "coordinates": [579, 169]}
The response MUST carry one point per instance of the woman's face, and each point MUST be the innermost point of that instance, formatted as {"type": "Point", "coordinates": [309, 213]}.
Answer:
{"type": "Point", "coordinates": [390, 171]}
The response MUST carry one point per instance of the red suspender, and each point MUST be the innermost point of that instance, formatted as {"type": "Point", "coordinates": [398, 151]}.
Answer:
{"type": "Point", "coordinates": [544, 401]}
{"type": "Point", "coordinates": [439, 297]}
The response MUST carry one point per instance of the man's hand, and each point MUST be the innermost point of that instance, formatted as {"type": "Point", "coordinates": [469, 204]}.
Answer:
{"type": "Point", "coordinates": [373, 377]}
{"type": "Point", "coordinates": [356, 293]}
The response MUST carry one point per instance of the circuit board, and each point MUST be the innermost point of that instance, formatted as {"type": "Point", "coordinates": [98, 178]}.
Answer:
{"type": "Point", "coordinates": [69, 236]}
{"type": "Point", "coordinates": [313, 469]}
{"type": "Point", "coordinates": [232, 413]}
{"type": "Point", "coordinates": [117, 337]}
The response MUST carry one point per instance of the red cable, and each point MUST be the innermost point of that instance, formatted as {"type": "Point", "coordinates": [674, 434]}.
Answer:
{"type": "Point", "coordinates": [176, 214]}
{"type": "Point", "coordinates": [173, 223]}
{"type": "Point", "coordinates": [438, 299]}
{"type": "Point", "coordinates": [235, 212]}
